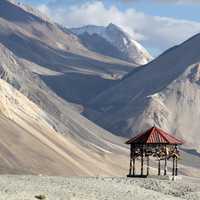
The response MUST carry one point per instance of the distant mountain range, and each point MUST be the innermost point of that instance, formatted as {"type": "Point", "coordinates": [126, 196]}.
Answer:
{"type": "Point", "coordinates": [54, 80]}
{"type": "Point", "coordinates": [165, 92]}
{"type": "Point", "coordinates": [113, 41]}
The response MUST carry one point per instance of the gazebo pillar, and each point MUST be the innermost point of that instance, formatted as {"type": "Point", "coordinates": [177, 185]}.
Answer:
{"type": "Point", "coordinates": [130, 168]}
{"type": "Point", "coordinates": [176, 170]}
{"type": "Point", "coordinates": [158, 166]}
{"type": "Point", "coordinates": [131, 160]}
{"type": "Point", "coordinates": [147, 165]}
{"type": "Point", "coordinates": [176, 162]}
{"type": "Point", "coordinates": [165, 166]}
{"type": "Point", "coordinates": [142, 161]}
{"type": "Point", "coordinates": [173, 167]}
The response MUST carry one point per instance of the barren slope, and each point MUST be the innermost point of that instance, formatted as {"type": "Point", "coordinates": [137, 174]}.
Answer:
{"type": "Point", "coordinates": [57, 53]}
{"type": "Point", "coordinates": [28, 52]}
{"type": "Point", "coordinates": [165, 92]}
{"type": "Point", "coordinates": [23, 73]}
{"type": "Point", "coordinates": [30, 145]}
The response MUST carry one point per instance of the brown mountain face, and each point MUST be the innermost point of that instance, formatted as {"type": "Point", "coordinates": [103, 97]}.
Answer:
{"type": "Point", "coordinates": [48, 77]}
{"type": "Point", "coordinates": [164, 92]}
{"type": "Point", "coordinates": [41, 132]}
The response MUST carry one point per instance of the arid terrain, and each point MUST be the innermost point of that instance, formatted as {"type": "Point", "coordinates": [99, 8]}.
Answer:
{"type": "Point", "coordinates": [97, 188]}
{"type": "Point", "coordinates": [70, 98]}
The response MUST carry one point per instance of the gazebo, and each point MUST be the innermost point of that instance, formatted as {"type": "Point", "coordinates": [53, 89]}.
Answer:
{"type": "Point", "coordinates": [157, 143]}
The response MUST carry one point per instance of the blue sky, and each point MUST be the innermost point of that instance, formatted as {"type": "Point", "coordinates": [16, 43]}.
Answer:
{"type": "Point", "coordinates": [157, 24]}
{"type": "Point", "coordinates": [188, 11]}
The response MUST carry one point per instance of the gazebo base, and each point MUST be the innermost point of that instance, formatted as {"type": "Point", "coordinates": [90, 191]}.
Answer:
{"type": "Point", "coordinates": [167, 177]}
{"type": "Point", "coordinates": [137, 176]}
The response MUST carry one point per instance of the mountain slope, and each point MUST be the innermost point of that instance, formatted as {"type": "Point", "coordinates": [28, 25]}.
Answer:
{"type": "Point", "coordinates": [30, 145]}
{"type": "Point", "coordinates": [165, 92]}
{"type": "Point", "coordinates": [41, 132]}
{"type": "Point", "coordinates": [61, 115]}
{"type": "Point", "coordinates": [28, 54]}
{"type": "Point", "coordinates": [113, 41]}
{"type": "Point", "coordinates": [55, 53]}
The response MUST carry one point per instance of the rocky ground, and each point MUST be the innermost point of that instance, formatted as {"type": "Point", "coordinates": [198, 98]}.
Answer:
{"type": "Point", "coordinates": [75, 188]}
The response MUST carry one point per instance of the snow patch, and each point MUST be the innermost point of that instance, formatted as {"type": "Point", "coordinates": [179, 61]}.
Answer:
{"type": "Point", "coordinates": [121, 40]}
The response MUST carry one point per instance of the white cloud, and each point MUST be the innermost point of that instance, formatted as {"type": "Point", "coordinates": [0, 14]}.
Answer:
{"type": "Point", "coordinates": [179, 1]}
{"type": "Point", "coordinates": [189, 2]}
{"type": "Point", "coordinates": [153, 31]}
{"type": "Point", "coordinates": [44, 9]}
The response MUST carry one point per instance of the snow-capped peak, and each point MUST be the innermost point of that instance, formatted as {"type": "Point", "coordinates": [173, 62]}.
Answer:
{"type": "Point", "coordinates": [112, 26]}
{"type": "Point", "coordinates": [131, 50]}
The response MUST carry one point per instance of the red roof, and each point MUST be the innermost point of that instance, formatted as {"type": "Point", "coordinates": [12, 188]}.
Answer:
{"type": "Point", "coordinates": [154, 135]}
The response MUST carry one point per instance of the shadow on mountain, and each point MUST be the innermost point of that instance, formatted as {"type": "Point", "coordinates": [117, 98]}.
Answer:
{"type": "Point", "coordinates": [77, 88]}
{"type": "Point", "coordinates": [190, 157]}
{"type": "Point", "coordinates": [56, 59]}
{"type": "Point", "coordinates": [191, 151]}
{"type": "Point", "coordinates": [11, 12]}
{"type": "Point", "coordinates": [74, 85]}
{"type": "Point", "coordinates": [99, 45]}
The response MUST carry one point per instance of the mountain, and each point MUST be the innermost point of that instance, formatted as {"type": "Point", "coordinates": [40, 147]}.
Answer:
{"type": "Point", "coordinates": [60, 54]}
{"type": "Point", "coordinates": [30, 145]}
{"type": "Point", "coordinates": [41, 132]}
{"type": "Point", "coordinates": [165, 92]}
{"type": "Point", "coordinates": [113, 41]}
{"type": "Point", "coordinates": [48, 77]}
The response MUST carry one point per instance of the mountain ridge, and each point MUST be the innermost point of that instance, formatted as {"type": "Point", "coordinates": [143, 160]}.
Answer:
{"type": "Point", "coordinates": [45, 74]}
{"type": "Point", "coordinates": [128, 48]}
{"type": "Point", "coordinates": [48, 128]}
{"type": "Point", "coordinates": [155, 94]}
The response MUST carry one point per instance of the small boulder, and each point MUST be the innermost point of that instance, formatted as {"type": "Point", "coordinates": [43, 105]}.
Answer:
{"type": "Point", "coordinates": [41, 197]}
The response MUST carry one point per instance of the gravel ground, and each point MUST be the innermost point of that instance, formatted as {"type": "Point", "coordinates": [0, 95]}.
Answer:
{"type": "Point", "coordinates": [74, 188]}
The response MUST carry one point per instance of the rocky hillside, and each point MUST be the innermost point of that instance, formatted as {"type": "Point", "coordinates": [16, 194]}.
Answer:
{"type": "Point", "coordinates": [30, 145]}
{"type": "Point", "coordinates": [165, 92]}
{"type": "Point", "coordinates": [40, 62]}
{"type": "Point", "coordinates": [56, 54]}
{"type": "Point", "coordinates": [42, 133]}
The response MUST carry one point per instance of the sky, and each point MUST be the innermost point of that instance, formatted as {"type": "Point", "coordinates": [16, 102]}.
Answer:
{"type": "Point", "coordinates": [156, 24]}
